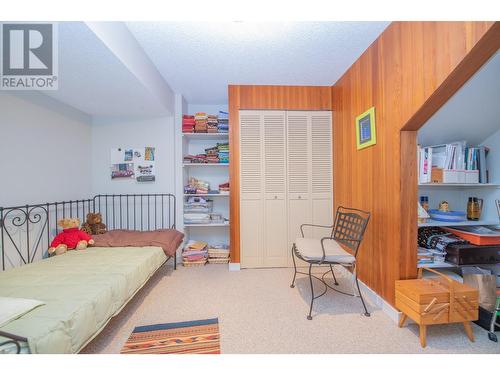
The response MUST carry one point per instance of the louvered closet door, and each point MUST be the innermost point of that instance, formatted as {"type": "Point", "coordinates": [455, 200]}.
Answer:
{"type": "Point", "coordinates": [321, 171]}
{"type": "Point", "coordinates": [275, 208]}
{"type": "Point", "coordinates": [299, 171]}
{"type": "Point", "coordinates": [251, 189]}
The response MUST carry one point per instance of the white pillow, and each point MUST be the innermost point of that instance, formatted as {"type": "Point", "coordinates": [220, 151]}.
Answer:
{"type": "Point", "coordinates": [13, 308]}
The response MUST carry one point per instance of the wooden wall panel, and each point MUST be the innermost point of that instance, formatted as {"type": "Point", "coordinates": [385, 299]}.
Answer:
{"type": "Point", "coordinates": [407, 74]}
{"type": "Point", "coordinates": [263, 97]}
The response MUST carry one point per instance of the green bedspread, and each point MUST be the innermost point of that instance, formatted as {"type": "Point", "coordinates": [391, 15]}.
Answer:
{"type": "Point", "coordinates": [82, 290]}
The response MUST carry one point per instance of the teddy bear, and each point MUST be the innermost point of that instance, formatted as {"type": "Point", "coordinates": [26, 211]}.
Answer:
{"type": "Point", "coordinates": [94, 224]}
{"type": "Point", "coordinates": [70, 238]}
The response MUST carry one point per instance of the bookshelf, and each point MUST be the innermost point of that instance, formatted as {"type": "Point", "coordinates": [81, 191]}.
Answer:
{"type": "Point", "coordinates": [213, 173]}
{"type": "Point", "coordinates": [226, 224]}
{"type": "Point", "coordinates": [457, 194]}
{"type": "Point", "coordinates": [210, 136]}
{"type": "Point", "coordinates": [463, 142]}
{"type": "Point", "coordinates": [436, 265]}
{"type": "Point", "coordinates": [205, 164]}
{"type": "Point", "coordinates": [435, 223]}
{"type": "Point", "coordinates": [207, 195]}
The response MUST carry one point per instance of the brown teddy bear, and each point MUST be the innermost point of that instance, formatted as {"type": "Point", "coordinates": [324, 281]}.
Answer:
{"type": "Point", "coordinates": [70, 238]}
{"type": "Point", "coordinates": [94, 224]}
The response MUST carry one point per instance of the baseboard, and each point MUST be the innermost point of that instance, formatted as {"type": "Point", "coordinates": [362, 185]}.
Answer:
{"type": "Point", "coordinates": [234, 267]}
{"type": "Point", "coordinates": [378, 301]}
{"type": "Point", "coordinates": [375, 299]}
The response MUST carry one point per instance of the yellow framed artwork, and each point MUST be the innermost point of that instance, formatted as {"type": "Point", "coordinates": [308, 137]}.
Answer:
{"type": "Point", "coordinates": [365, 129]}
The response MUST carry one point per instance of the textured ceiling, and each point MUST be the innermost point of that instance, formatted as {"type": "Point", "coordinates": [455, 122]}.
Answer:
{"type": "Point", "coordinates": [472, 114]}
{"type": "Point", "coordinates": [93, 80]}
{"type": "Point", "coordinates": [199, 59]}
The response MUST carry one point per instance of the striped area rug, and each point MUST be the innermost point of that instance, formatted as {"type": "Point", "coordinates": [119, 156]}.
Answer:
{"type": "Point", "coordinates": [194, 337]}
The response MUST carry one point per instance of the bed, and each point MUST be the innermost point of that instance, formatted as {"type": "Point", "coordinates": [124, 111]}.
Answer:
{"type": "Point", "coordinates": [81, 290]}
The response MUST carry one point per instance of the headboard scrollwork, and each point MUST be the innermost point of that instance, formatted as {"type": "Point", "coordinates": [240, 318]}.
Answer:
{"type": "Point", "coordinates": [26, 231]}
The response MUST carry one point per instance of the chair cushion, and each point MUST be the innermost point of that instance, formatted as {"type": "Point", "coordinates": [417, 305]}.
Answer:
{"type": "Point", "coordinates": [310, 250]}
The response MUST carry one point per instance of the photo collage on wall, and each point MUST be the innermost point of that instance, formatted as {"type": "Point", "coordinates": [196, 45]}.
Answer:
{"type": "Point", "coordinates": [133, 163]}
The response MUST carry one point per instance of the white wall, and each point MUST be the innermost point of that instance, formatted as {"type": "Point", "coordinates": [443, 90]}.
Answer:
{"type": "Point", "coordinates": [210, 109]}
{"type": "Point", "coordinates": [181, 108]}
{"type": "Point", "coordinates": [45, 150]}
{"type": "Point", "coordinates": [108, 133]}
{"type": "Point", "coordinates": [493, 166]}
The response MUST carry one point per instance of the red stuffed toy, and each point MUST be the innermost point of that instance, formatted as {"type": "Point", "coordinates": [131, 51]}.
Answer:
{"type": "Point", "coordinates": [70, 238]}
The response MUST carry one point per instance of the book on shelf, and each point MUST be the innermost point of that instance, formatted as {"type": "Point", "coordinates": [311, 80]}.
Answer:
{"type": "Point", "coordinates": [456, 157]}
{"type": "Point", "coordinates": [425, 165]}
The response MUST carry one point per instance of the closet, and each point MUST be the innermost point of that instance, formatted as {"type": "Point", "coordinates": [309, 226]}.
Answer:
{"type": "Point", "coordinates": [285, 181]}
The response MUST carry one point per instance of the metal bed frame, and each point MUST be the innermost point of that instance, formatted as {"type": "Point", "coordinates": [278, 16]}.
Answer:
{"type": "Point", "coordinates": [27, 231]}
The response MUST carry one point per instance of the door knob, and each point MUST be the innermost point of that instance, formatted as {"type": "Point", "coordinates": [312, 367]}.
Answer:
{"type": "Point", "coordinates": [275, 197]}
{"type": "Point", "coordinates": [300, 197]}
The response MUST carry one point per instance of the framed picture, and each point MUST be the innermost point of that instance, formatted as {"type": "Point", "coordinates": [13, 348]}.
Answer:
{"type": "Point", "coordinates": [365, 129]}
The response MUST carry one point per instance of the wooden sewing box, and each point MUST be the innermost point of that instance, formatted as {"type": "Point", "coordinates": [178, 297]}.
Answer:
{"type": "Point", "coordinates": [438, 300]}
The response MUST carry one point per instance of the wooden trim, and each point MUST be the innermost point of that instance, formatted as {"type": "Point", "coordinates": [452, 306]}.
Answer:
{"type": "Point", "coordinates": [305, 98]}
{"type": "Point", "coordinates": [409, 212]}
{"type": "Point", "coordinates": [484, 49]}
{"type": "Point", "coordinates": [407, 74]}
{"type": "Point", "coordinates": [234, 173]}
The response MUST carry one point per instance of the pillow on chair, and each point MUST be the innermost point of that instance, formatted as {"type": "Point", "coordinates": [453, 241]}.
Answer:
{"type": "Point", "coordinates": [310, 249]}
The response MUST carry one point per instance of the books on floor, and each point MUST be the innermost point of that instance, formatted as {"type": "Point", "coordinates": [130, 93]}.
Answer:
{"type": "Point", "coordinates": [195, 253]}
{"type": "Point", "coordinates": [198, 253]}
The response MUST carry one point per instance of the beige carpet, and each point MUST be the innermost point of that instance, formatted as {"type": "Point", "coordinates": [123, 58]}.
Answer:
{"type": "Point", "coordinates": [259, 313]}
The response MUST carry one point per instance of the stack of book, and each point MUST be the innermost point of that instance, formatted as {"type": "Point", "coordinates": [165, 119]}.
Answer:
{"type": "Point", "coordinates": [196, 186]}
{"type": "Point", "coordinates": [456, 157]}
{"type": "Point", "coordinates": [197, 210]}
{"type": "Point", "coordinates": [212, 154]}
{"type": "Point", "coordinates": [195, 253]}
{"type": "Point", "coordinates": [188, 123]}
{"type": "Point", "coordinates": [430, 256]}
{"type": "Point", "coordinates": [218, 254]}
{"type": "Point", "coordinates": [223, 152]}
{"type": "Point", "coordinates": [223, 125]}
{"type": "Point", "coordinates": [195, 159]}
{"type": "Point", "coordinates": [201, 122]}
{"type": "Point", "coordinates": [215, 154]}
{"type": "Point", "coordinates": [212, 124]}
{"type": "Point", "coordinates": [224, 187]}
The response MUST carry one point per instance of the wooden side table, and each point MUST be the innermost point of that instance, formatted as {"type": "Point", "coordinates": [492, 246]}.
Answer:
{"type": "Point", "coordinates": [437, 300]}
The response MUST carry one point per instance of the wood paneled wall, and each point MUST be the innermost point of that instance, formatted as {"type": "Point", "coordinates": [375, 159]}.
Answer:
{"type": "Point", "coordinates": [407, 74]}
{"type": "Point", "coordinates": [262, 97]}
